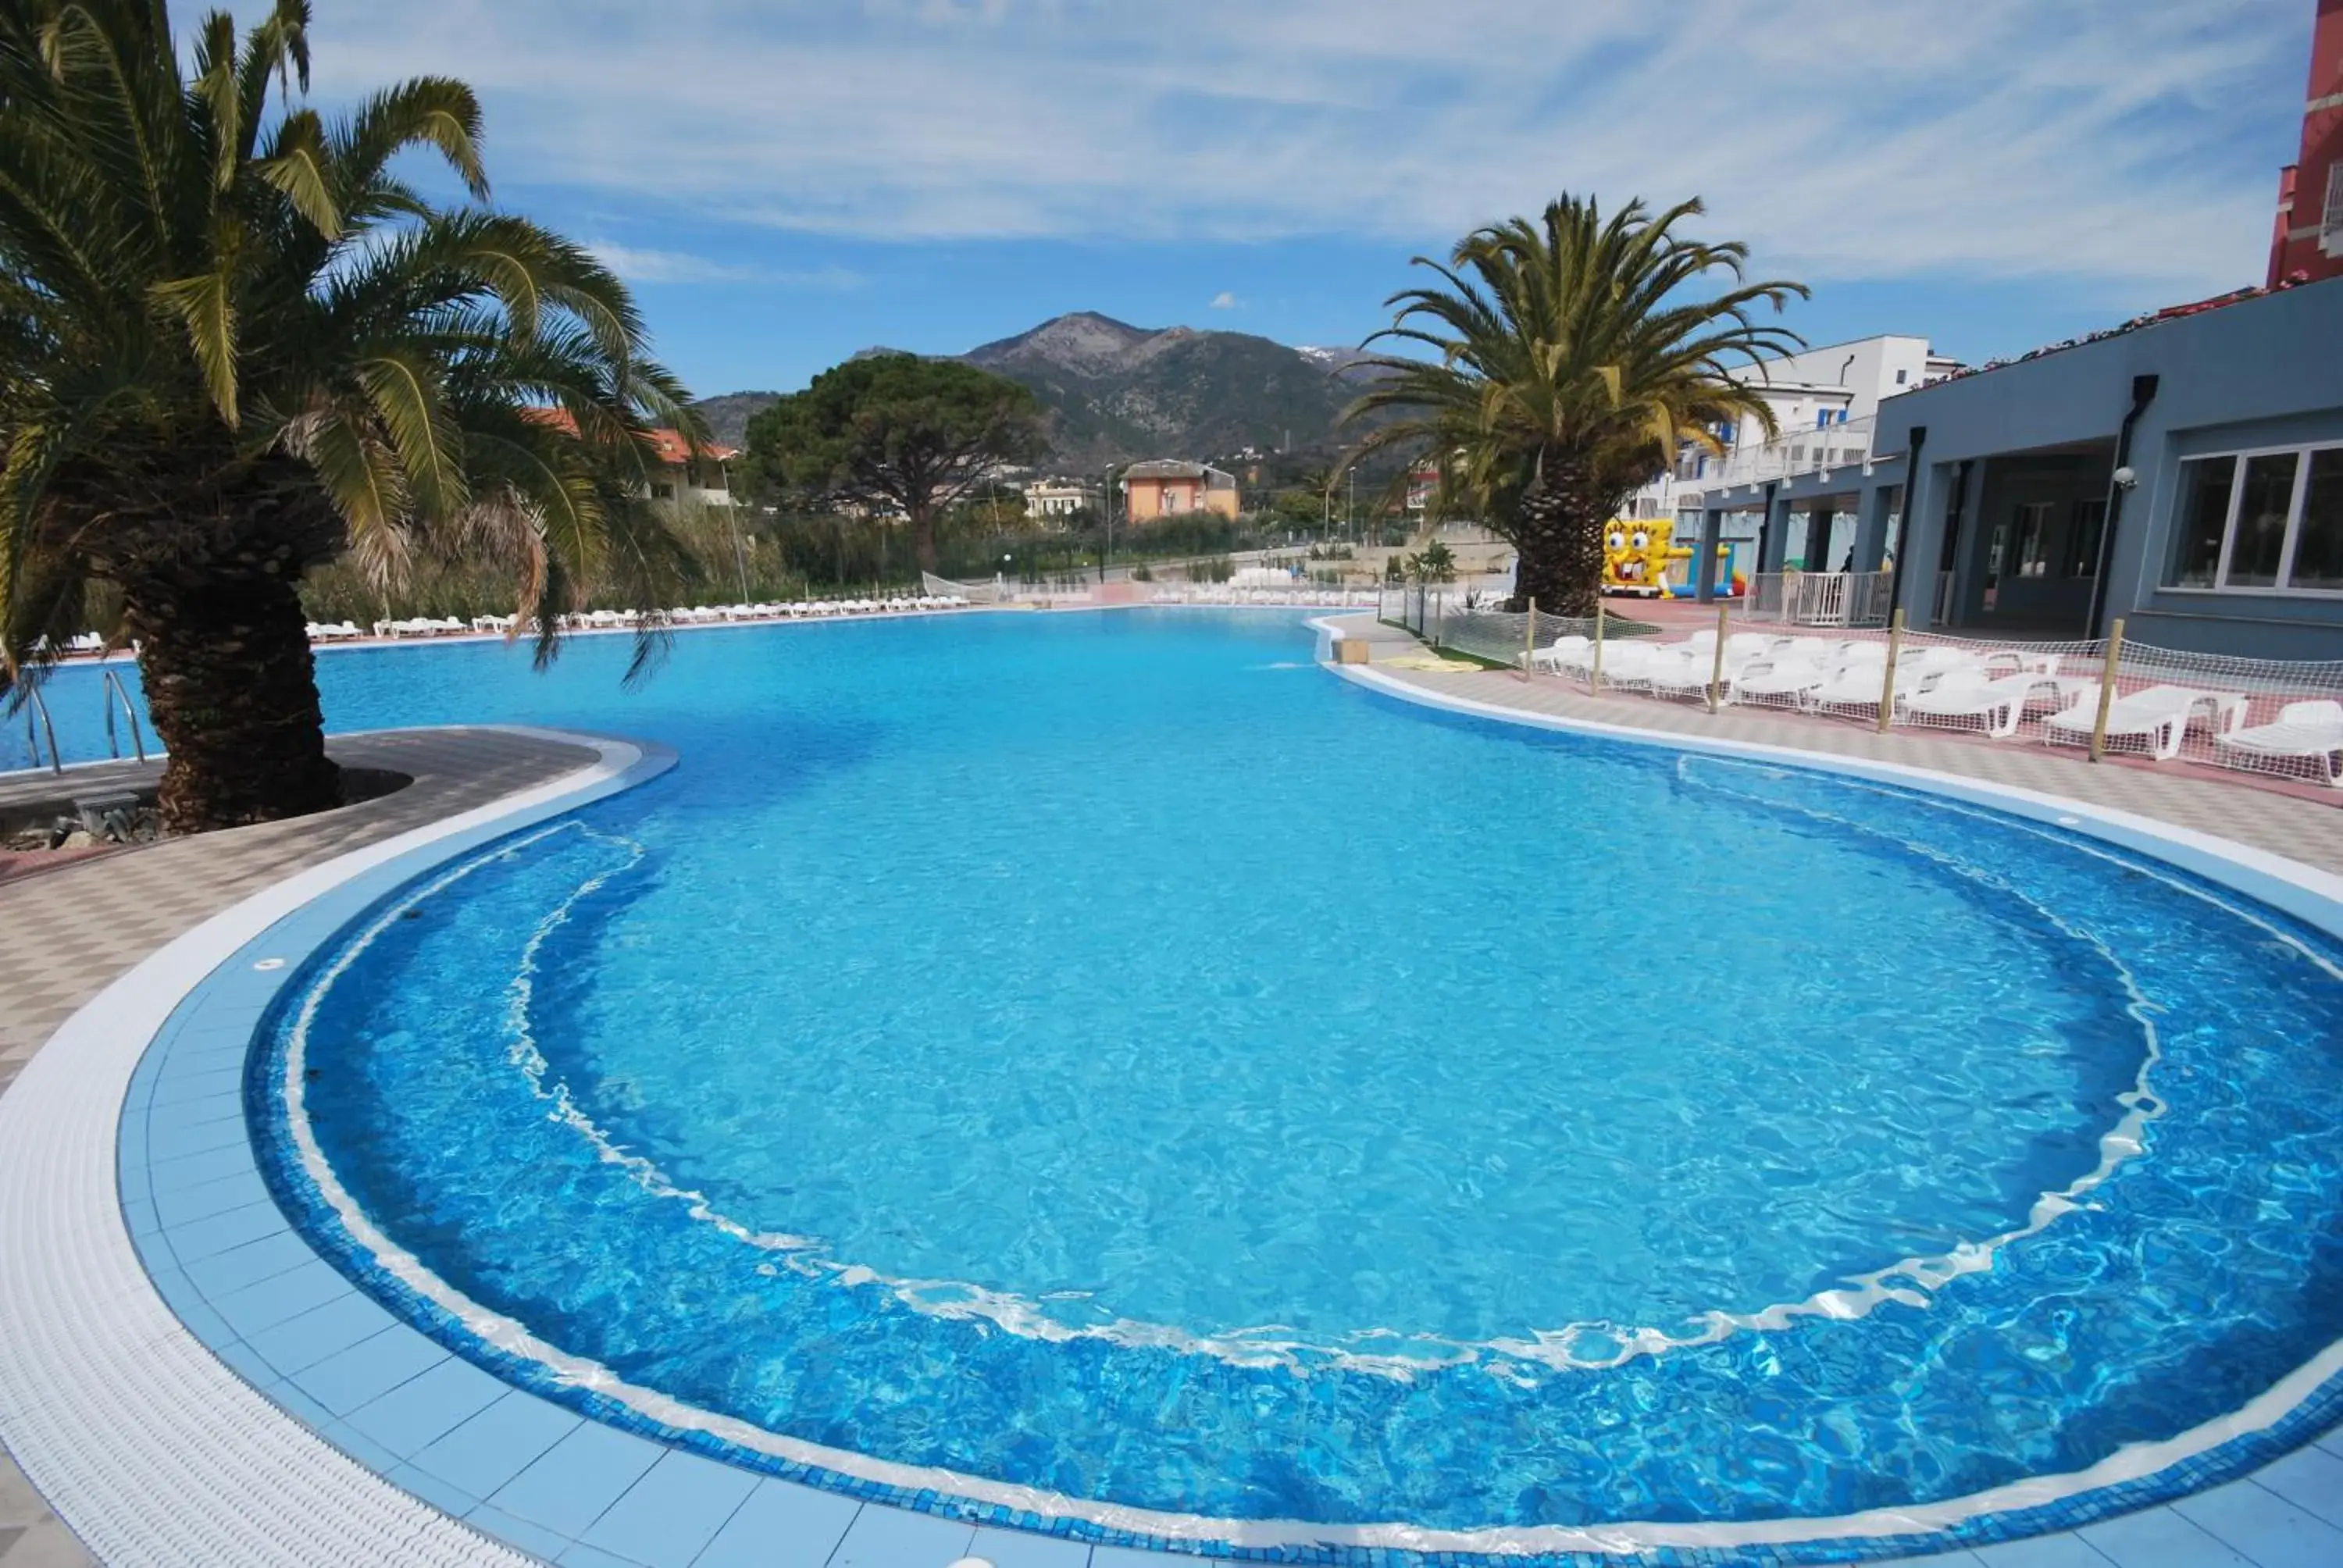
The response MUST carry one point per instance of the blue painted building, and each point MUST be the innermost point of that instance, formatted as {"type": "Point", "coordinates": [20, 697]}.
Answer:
{"type": "Point", "coordinates": [2185, 475]}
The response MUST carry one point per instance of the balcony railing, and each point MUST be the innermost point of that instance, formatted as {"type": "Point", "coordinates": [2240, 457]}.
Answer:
{"type": "Point", "coordinates": [1789, 454]}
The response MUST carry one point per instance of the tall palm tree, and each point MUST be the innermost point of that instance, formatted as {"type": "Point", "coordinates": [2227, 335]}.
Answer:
{"type": "Point", "coordinates": [235, 345]}
{"type": "Point", "coordinates": [1575, 356]}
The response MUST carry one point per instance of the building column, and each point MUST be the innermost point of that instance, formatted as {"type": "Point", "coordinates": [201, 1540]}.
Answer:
{"type": "Point", "coordinates": [1922, 542]}
{"type": "Point", "coordinates": [1817, 550]}
{"type": "Point", "coordinates": [1703, 558]}
{"type": "Point", "coordinates": [1774, 535]}
{"type": "Point", "coordinates": [1871, 528]}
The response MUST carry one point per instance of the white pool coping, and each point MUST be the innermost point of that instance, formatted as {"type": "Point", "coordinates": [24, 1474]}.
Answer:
{"type": "Point", "coordinates": [145, 1444]}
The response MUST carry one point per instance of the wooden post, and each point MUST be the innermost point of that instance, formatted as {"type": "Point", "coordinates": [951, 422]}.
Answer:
{"type": "Point", "coordinates": [1716, 664]}
{"type": "Point", "coordinates": [1529, 643]}
{"type": "Point", "coordinates": [1594, 676]}
{"type": "Point", "coordinates": [1887, 687]}
{"type": "Point", "coordinates": [2110, 662]}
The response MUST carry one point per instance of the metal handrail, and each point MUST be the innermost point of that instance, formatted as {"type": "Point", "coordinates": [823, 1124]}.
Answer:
{"type": "Point", "coordinates": [34, 708]}
{"type": "Point", "coordinates": [118, 689]}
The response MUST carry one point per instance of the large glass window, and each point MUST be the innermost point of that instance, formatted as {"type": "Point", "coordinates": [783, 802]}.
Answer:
{"type": "Point", "coordinates": [2265, 507]}
{"type": "Point", "coordinates": [2033, 557]}
{"type": "Point", "coordinates": [2083, 533]}
{"type": "Point", "coordinates": [2265, 521]}
{"type": "Point", "coordinates": [2318, 543]}
{"type": "Point", "coordinates": [2203, 521]}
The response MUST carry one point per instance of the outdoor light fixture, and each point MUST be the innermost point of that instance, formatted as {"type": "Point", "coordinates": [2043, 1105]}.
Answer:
{"type": "Point", "coordinates": [2126, 477]}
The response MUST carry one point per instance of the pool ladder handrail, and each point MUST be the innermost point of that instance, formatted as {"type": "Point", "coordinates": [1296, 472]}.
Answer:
{"type": "Point", "coordinates": [117, 690]}
{"type": "Point", "coordinates": [36, 724]}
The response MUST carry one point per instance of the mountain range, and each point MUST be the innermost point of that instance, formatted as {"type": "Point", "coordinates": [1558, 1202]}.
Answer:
{"type": "Point", "coordinates": [1116, 393]}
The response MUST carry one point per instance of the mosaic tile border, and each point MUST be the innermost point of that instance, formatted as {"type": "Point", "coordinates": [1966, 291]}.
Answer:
{"type": "Point", "coordinates": [395, 1390]}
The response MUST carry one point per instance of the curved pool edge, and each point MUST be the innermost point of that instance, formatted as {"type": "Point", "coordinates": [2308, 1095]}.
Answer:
{"type": "Point", "coordinates": [116, 1397]}
{"type": "Point", "coordinates": [236, 996]}
{"type": "Point", "coordinates": [2301, 1406]}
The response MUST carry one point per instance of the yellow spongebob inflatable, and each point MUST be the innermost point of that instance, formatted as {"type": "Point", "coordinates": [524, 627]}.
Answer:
{"type": "Point", "coordinates": [1637, 557]}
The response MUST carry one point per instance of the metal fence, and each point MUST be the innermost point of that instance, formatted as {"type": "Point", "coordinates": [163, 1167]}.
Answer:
{"type": "Point", "coordinates": [1821, 598]}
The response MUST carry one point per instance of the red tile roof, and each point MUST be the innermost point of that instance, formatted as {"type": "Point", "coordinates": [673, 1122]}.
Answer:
{"type": "Point", "coordinates": [668, 447]}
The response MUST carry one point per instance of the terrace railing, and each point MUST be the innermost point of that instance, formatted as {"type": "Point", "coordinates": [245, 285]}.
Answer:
{"type": "Point", "coordinates": [1787, 456]}
{"type": "Point", "coordinates": [1821, 598]}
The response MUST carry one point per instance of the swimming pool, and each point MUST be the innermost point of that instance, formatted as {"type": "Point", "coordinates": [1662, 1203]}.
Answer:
{"type": "Point", "coordinates": [1103, 1056]}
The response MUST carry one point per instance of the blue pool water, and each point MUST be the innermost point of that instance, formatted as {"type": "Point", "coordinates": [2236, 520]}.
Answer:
{"type": "Point", "coordinates": [1111, 1055]}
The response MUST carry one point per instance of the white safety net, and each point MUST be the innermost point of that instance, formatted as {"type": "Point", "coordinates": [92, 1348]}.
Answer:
{"type": "Point", "coordinates": [971, 593]}
{"type": "Point", "coordinates": [2273, 717]}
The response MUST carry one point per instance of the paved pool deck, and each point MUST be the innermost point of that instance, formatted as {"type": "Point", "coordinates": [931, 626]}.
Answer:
{"type": "Point", "coordinates": [70, 931]}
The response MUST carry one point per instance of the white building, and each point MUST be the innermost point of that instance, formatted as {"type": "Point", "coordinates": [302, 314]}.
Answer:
{"type": "Point", "coordinates": [1055, 500]}
{"type": "Point", "coordinates": [1824, 402]}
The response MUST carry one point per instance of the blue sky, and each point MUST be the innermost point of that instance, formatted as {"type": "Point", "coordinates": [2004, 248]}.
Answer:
{"type": "Point", "coordinates": [785, 183]}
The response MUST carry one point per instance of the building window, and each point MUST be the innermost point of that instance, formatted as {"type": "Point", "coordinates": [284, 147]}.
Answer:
{"type": "Point", "coordinates": [2084, 533]}
{"type": "Point", "coordinates": [2033, 557]}
{"type": "Point", "coordinates": [1901, 377]}
{"type": "Point", "coordinates": [2265, 507]}
{"type": "Point", "coordinates": [2318, 542]}
{"type": "Point", "coordinates": [662, 492]}
{"type": "Point", "coordinates": [2271, 521]}
{"type": "Point", "coordinates": [2203, 518]}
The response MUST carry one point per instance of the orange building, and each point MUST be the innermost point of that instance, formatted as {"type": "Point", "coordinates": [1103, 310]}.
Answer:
{"type": "Point", "coordinates": [1164, 488]}
{"type": "Point", "coordinates": [2307, 242]}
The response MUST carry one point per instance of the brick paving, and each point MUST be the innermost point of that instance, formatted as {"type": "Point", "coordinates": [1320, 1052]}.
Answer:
{"type": "Point", "coordinates": [68, 931]}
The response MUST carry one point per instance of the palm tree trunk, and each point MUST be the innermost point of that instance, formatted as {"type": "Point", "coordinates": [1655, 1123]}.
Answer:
{"type": "Point", "coordinates": [1560, 540]}
{"type": "Point", "coordinates": [232, 689]}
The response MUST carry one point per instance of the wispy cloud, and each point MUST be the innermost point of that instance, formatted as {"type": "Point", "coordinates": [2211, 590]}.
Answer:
{"type": "Point", "coordinates": [638, 265]}
{"type": "Point", "coordinates": [2125, 140]}
{"type": "Point", "coordinates": [1224, 300]}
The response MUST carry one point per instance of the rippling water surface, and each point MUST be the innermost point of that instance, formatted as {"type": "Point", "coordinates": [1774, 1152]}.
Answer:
{"type": "Point", "coordinates": [1109, 1054]}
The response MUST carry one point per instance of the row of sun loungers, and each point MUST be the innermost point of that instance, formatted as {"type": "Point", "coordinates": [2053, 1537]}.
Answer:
{"type": "Point", "coordinates": [1232, 596]}
{"type": "Point", "coordinates": [613, 620]}
{"type": "Point", "coordinates": [1993, 690]}
{"type": "Point", "coordinates": [799, 609]}
{"type": "Point", "coordinates": [87, 642]}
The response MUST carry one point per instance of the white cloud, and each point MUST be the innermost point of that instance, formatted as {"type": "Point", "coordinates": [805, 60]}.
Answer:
{"type": "Point", "coordinates": [2123, 140]}
{"type": "Point", "coordinates": [1224, 300]}
{"type": "Point", "coordinates": [638, 265]}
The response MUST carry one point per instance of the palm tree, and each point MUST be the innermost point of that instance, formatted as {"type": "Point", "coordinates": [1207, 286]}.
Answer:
{"type": "Point", "coordinates": [234, 345]}
{"type": "Point", "coordinates": [1574, 358]}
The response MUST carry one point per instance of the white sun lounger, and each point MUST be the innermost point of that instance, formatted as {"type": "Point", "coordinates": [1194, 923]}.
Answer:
{"type": "Point", "coordinates": [1557, 657]}
{"type": "Point", "coordinates": [1783, 677]}
{"type": "Point", "coordinates": [2158, 717]}
{"type": "Point", "coordinates": [1857, 686]}
{"type": "Point", "coordinates": [2308, 731]}
{"type": "Point", "coordinates": [1973, 692]}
